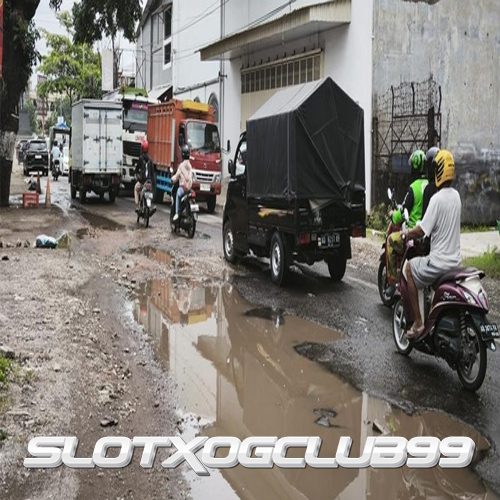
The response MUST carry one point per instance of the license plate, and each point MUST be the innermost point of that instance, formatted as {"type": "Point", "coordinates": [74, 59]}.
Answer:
{"type": "Point", "coordinates": [195, 208]}
{"type": "Point", "coordinates": [330, 240]}
{"type": "Point", "coordinates": [204, 187]}
{"type": "Point", "coordinates": [490, 329]}
{"type": "Point", "coordinates": [148, 202]}
{"type": "Point", "coordinates": [38, 157]}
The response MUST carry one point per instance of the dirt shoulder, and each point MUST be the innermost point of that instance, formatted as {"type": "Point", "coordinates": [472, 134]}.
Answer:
{"type": "Point", "coordinates": [82, 366]}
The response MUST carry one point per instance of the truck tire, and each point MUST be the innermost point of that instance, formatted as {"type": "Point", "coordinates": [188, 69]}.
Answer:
{"type": "Point", "coordinates": [228, 242]}
{"type": "Point", "coordinates": [337, 266]}
{"type": "Point", "coordinates": [278, 260]}
{"type": "Point", "coordinates": [112, 195]}
{"type": "Point", "coordinates": [83, 196]}
{"type": "Point", "coordinates": [211, 203]}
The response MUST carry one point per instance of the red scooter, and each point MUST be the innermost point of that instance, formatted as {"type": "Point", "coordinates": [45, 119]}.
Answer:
{"type": "Point", "coordinates": [454, 311]}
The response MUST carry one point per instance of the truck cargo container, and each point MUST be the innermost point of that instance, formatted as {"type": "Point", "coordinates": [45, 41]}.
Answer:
{"type": "Point", "coordinates": [170, 126]}
{"type": "Point", "coordinates": [96, 148]}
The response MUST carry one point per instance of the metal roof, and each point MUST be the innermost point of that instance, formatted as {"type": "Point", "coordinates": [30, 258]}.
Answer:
{"type": "Point", "coordinates": [297, 24]}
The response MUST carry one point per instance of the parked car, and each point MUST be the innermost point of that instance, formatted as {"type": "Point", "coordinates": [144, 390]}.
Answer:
{"type": "Point", "coordinates": [36, 157]}
{"type": "Point", "coordinates": [65, 161]}
{"type": "Point", "coordinates": [19, 147]}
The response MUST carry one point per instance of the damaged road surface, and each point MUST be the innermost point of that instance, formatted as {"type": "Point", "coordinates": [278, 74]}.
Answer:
{"type": "Point", "coordinates": [135, 332]}
{"type": "Point", "coordinates": [237, 372]}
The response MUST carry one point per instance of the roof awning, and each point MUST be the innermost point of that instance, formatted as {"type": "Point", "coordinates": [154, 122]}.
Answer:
{"type": "Point", "coordinates": [163, 93]}
{"type": "Point", "coordinates": [292, 26]}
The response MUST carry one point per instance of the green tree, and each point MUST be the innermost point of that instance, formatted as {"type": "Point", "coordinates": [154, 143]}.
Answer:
{"type": "Point", "coordinates": [95, 19]}
{"type": "Point", "coordinates": [73, 71]}
{"type": "Point", "coordinates": [19, 57]}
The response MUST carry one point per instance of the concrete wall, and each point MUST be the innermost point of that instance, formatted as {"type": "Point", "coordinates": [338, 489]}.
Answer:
{"type": "Point", "coordinates": [457, 42]}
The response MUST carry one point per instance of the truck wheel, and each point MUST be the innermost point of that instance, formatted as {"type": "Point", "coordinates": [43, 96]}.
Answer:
{"type": "Point", "coordinates": [112, 195]}
{"type": "Point", "coordinates": [228, 242]}
{"type": "Point", "coordinates": [83, 196]}
{"type": "Point", "coordinates": [337, 266]}
{"type": "Point", "coordinates": [211, 202]}
{"type": "Point", "coordinates": [278, 258]}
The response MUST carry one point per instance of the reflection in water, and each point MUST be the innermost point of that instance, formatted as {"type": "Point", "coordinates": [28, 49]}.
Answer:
{"type": "Point", "coordinates": [236, 368]}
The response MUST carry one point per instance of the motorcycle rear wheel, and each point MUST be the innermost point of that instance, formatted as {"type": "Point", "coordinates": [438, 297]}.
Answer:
{"type": "Point", "coordinates": [192, 228]}
{"type": "Point", "coordinates": [472, 375]}
{"type": "Point", "coordinates": [399, 329]}
{"type": "Point", "coordinates": [382, 286]}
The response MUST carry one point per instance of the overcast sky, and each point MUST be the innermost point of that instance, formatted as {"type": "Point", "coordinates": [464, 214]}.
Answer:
{"type": "Point", "coordinates": [45, 18]}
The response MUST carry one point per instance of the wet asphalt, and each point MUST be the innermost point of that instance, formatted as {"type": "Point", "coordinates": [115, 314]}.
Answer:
{"type": "Point", "coordinates": [366, 356]}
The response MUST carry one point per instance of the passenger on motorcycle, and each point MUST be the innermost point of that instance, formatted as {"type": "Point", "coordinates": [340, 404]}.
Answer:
{"type": "Point", "coordinates": [431, 188]}
{"type": "Point", "coordinates": [442, 224]}
{"type": "Point", "coordinates": [184, 175]}
{"type": "Point", "coordinates": [413, 203]}
{"type": "Point", "coordinates": [143, 171]}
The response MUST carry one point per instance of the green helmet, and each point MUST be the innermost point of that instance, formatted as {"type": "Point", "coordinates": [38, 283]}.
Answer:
{"type": "Point", "coordinates": [417, 162]}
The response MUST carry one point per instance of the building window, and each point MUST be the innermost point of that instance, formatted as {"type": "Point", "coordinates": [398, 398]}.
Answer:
{"type": "Point", "coordinates": [167, 23]}
{"type": "Point", "coordinates": [291, 71]}
{"type": "Point", "coordinates": [167, 54]}
{"type": "Point", "coordinates": [214, 102]}
{"type": "Point", "coordinates": [167, 37]}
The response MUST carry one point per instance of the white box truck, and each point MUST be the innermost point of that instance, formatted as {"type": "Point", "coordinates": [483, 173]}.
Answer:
{"type": "Point", "coordinates": [96, 148]}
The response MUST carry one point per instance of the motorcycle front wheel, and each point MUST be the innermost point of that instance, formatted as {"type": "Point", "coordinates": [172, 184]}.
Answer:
{"type": "Point", "coordinates": [146, 217]}
{"type": "Point", "coordinates": [471, 369]}
{"type": "Point", "coordinates": [399, 329]}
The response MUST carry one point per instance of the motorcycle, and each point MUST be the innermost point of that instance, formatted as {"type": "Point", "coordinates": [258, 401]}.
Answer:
{"type": "Point", "coordinates": [56, 169]}
{"type": "Point", "coordinates": [188, 212]}
{"type": "Point", "coordinates": [383, 281]}
{"type": "Point", "coordinates": [146, 209]}
{"type": "Point", "coordinates": [456, 327]}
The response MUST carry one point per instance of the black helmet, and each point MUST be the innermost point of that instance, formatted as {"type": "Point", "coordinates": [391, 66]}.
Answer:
{"type": "Point", "coordinates": [429, 162]}
{"type": "Point", "coordinates": [185, 152]}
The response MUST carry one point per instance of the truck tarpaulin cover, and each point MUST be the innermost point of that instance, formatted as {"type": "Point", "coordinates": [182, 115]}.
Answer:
{"type": "Point", "coordinates": [307, 141]}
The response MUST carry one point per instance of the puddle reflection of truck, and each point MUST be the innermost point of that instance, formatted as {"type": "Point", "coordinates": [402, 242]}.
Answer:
{"type": "Point", "coordinates": [297, 191]}
{"type": "Point", "coordinates": [96, 148]}
{"type": "Point", "coordinates": [170, 126]}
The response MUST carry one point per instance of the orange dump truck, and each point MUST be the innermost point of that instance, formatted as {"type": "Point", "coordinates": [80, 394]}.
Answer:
{"type": "Point", "coordinates": [170, 126]}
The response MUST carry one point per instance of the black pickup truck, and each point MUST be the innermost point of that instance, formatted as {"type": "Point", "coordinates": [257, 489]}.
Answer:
{"type": "Point", "coordinates": [297, 189]}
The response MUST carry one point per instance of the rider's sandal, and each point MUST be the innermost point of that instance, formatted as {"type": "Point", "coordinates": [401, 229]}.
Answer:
{"type": "Point", "coordinates": [413, 334]}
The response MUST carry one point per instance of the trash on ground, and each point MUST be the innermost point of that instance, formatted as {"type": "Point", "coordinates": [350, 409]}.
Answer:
{"type": "Point", "coordinates": [44, 241]}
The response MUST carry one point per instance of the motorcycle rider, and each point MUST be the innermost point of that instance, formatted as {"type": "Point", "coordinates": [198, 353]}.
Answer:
{"type": "Point", "coordinates": [184, 175]}
{"type": "Point", "coordinates": [442, 224]}
{"type": "Point", "coordinates": [143, 171]}
{"type": "Point", "coordinates": [413, 203]}
{"type": "Point", "coordinates": [55, 154]}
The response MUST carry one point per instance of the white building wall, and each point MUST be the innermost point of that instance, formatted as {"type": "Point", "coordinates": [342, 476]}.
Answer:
{"type": "Point", "coordinates": [347, 57]}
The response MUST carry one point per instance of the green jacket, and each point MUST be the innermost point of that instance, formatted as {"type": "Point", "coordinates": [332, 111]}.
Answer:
{"type": "Point", "coordinates": [413, 202]}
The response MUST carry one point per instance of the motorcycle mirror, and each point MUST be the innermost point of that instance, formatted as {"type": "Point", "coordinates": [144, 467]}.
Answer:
{"type": "Point", "coordinates": [389, 193]}
{"type": "Point", "coordinates": [406, 215]}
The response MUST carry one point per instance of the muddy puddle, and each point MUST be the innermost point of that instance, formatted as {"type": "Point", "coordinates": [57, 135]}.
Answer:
{"type": "Point", "coordinates": [100, 222]}
{"type": "Point", "coordinates": [236, 373]}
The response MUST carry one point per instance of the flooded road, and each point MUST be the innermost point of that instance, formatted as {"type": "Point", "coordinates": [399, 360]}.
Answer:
{"type": "Point", "coordinates": [237, 373]}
